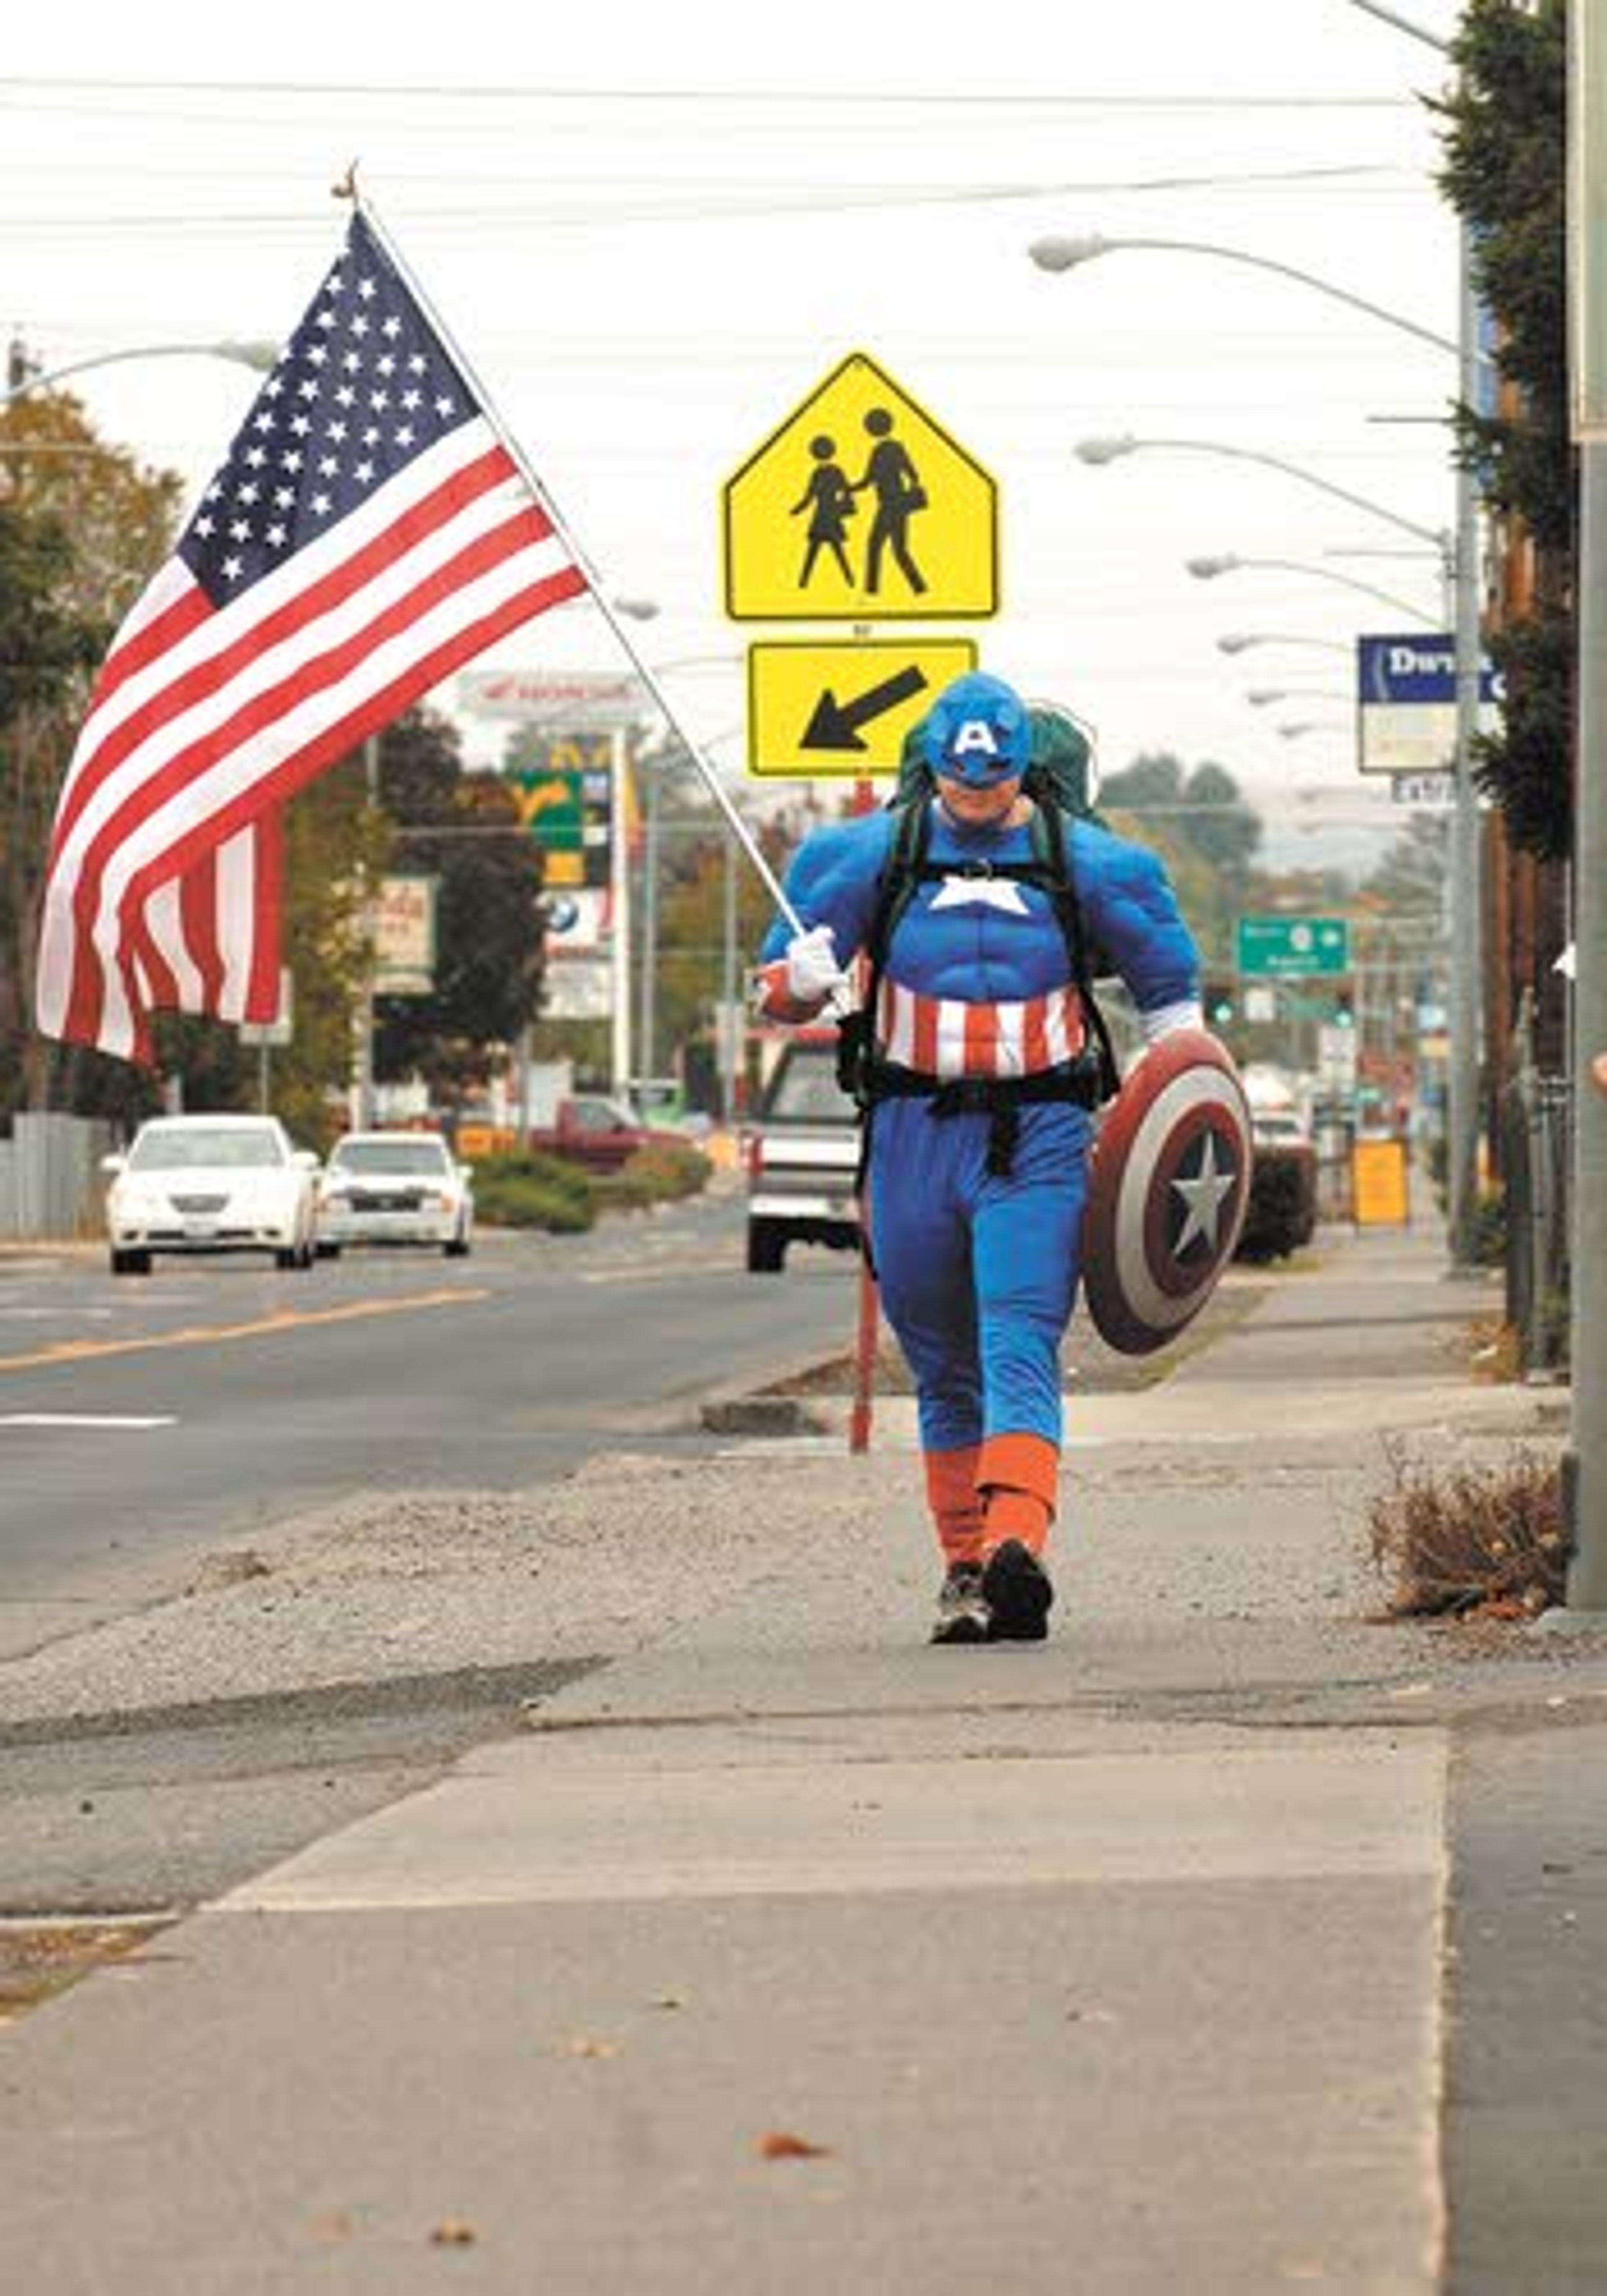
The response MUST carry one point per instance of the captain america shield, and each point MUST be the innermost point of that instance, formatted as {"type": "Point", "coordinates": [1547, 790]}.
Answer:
{"type": "Point", "coordinates": [1168, 1185]}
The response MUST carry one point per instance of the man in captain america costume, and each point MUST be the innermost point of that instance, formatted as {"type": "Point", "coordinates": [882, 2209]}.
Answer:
{"type": "Point", "coordinates": [980, 1119]}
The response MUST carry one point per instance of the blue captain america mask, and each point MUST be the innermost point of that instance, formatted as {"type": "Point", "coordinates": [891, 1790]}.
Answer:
{"type": "Point", "coordinates": [977, 732]}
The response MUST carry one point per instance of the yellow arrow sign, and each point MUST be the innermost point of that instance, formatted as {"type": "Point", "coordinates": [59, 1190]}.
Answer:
{"type": "Point", "coordinates": [860, 508]}
{"type": "Point", "coordinates": [820, 710]}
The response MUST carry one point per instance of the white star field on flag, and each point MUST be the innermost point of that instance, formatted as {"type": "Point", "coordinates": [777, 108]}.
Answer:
{"type": "Point", "coordinates": [360, 390]}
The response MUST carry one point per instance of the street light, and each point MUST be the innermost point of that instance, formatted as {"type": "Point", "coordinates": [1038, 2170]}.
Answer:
{"type": "Point", "coordinates": [1100, 451]}
{"type": "Point", "coordinates": [1260, 696]}
{"type": "Point", "coordinates": [1205, 569]}
{"type": "Point", "coordinates": [260, 356]}
{"type": "Point", "coordinates": [1061, 254]}
{"type": "Point", "coordinates": [1238, 641]}
{"type": "Point", "coordinates": [1460, 557]}
{"type": "Point", "coordinates": [1313, 725]}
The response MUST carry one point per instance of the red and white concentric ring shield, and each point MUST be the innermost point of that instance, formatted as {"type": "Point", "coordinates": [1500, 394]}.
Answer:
{"type": "Point", "coordinates": [1168, 1186]}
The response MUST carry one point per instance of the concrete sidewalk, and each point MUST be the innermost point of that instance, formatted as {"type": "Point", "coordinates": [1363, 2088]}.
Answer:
{"type": "Point", "coordinates": [782, 1951]}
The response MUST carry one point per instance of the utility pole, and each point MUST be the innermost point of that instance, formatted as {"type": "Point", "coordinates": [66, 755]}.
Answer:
{"type": "Point", "coordinates": [619, 904]}
{"type": "Point", "coordinates": [652, 769]}
{"type": "Point", "coordinates": [362, 1092]}
{"type": "Point", "coordinates": [1465, 1002]}
{"type": "Point", "coordinates": [1585, 1463]}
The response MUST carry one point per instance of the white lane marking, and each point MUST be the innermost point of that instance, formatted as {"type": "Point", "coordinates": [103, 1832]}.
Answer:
{"type": "Point", "coordinates": [43, 1314]}
{"type": "Point", "coordinates": [82, 1419]}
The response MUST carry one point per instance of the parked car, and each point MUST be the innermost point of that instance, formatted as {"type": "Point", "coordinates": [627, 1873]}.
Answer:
{"type": "Point", "coordinates": [197, 1183]}
{"type": "Point", "coordinates": [1278, 1127]}
{"type": "Point", "coordinates": [1282, 1214]}
{"type": "Point", "coordinates": [594, 1130]}
{"type": "Point", "coordinates": [395, 1187]}
{"type": "Point", "coordinates": [803, 1153]}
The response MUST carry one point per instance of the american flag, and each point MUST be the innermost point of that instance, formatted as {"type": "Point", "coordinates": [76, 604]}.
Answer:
{"type": "Point", "coordinates": [368, 534]}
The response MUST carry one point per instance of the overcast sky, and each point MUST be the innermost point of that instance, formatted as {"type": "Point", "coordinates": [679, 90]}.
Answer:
{"type": "Point", "coordinates": [655, 230]}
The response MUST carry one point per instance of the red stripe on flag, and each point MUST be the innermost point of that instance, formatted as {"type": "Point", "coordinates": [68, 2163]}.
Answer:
{"type": "Point", "coordinates": [198, 914]}
{"type": "Point", "coordinates": [147, 951]}
{"type": "Point", "coordinates": [267, 899]}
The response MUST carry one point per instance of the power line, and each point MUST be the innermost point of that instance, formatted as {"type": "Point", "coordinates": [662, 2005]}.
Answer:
{"type": "Point", "coordinates": [837, 99]}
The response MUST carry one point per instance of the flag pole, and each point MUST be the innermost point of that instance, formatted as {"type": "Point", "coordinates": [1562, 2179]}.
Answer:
{"type": "Point", "coordinates": [738, 828]}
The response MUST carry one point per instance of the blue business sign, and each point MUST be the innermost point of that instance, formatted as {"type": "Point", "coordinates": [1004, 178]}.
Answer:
{"type": "Point", "coordinates": [1406, 693]}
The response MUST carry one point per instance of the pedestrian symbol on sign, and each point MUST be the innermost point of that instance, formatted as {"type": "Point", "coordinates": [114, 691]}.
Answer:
{"type": "Point", "coordinates": [891, 477]}
{"type": "Point", "coordinates": [829, 500]}
{"type": "Point", "coordinates": [896, 482]}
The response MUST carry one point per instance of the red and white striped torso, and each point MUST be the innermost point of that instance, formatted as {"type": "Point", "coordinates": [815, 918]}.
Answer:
{"type": "Point", "coordinates": [951, 1037]}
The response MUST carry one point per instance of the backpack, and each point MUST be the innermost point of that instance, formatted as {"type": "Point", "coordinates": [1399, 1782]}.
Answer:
{"type": "Point", "coordinates": [1058, 779]}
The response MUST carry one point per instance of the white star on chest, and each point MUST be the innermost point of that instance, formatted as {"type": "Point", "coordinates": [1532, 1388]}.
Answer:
{"type": "Point", "coordinates": [1000, 893]}
{"type": "Point", "coordinates": [1204, 1195]}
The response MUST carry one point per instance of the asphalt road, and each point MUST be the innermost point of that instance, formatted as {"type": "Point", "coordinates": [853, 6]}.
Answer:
{"type": "Point", "coordinates": [149, 1426]}
{"type": "Point", "coordinates": [141, 1421]}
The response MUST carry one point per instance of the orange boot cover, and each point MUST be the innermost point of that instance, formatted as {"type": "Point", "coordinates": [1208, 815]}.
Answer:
{"type": "Point", "coordinates": [1019, 1478]}
{"type": "Point", "coordinates": [951, 1493]}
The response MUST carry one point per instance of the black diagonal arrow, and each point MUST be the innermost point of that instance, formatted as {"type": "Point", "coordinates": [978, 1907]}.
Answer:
{"type": "Point", "coordinates": [835, 724]}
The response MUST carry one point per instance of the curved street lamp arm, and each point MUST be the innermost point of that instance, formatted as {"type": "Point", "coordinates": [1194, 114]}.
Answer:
{"type": "Point", "coordinates": [258, 356]}
{"type": "Point", "coordinates": [1094, 245]}
{"type": "Point", "coordinates": [1237, 641]}
{"type": "Point", "coordinates": [1290, 470]}
{"type": "Point", "coordinates": [1403, 24]}
{"type": "Point", "coordinates": [1323, 573]}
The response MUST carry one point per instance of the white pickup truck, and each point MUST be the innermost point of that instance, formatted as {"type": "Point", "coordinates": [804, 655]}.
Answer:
{"type": "Point", "coordinates": [803, 1153]}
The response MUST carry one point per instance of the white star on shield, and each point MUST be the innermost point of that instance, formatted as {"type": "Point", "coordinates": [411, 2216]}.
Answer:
{"type": "Point", "coordinates": [1204, 1196]}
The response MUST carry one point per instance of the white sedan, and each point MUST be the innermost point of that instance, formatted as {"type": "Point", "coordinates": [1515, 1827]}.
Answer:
{"type": "Point", "coordinates": [211, 1183]}
{"type": "Point", "coordinates": [395, 1187]}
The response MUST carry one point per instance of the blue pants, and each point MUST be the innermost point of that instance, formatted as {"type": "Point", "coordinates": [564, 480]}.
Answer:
{"type": "Point", "coordinates": [979, 1274]}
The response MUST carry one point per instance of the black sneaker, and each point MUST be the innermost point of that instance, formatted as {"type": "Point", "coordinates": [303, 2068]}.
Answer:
{"type": "Point", "coordinates": [962, 1613]}
{"type": "Point", "coordinates": [1016, 1594]}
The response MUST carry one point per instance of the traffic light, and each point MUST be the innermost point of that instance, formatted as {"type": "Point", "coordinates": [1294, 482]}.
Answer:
{"type": "Point", "coordinates": [1219, 1003]}
{"type": "Point", "coordinates": [1344, 1010]}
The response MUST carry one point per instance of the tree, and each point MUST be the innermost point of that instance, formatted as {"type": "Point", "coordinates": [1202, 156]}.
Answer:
{"type": "Point", "coordinates": [1505, 174]}
{"type": "Point", "coordinates": [692, 935]}
{"type": "Point", "coordinates": [1204, 831]}
{"type": "Point", "coordinates": [81, 530]}
{"type": "Point", "coordinates": [464, 829]}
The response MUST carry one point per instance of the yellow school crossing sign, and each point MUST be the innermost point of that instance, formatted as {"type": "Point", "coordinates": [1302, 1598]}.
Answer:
{"type": "Point", "coordinates": [824, 709]}
{"type": "Point", "coordinates": [860, 508]}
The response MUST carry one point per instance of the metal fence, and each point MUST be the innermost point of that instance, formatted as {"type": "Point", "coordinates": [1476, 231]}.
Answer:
{"type": "Point", "coordinates": [49, 1178]}
{"type": "Point", "coordinates": [1537, 1167]}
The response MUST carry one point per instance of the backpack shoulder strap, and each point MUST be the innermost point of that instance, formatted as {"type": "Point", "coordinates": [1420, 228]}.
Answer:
{"type": "Point", "coordinates": [1052, 831]}
{"type": "Point", "coordinates": [895, 887]}
{"type": "Point", "coordinates": [901, 875]}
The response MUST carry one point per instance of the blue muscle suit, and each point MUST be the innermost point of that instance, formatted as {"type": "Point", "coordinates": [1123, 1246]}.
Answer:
{"type": "Point", "coordinates": [978, 1273]}
{"type": "Point", "coordinates": [977, 1265]}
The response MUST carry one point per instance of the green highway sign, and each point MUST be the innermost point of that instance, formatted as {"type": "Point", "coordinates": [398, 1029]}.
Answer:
{"type": "Point", "coordinates": [1286, 947]}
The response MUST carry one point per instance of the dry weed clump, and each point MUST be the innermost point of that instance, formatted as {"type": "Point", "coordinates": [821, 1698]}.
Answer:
{"type": "Point", "coordinates": [1471, 1543]}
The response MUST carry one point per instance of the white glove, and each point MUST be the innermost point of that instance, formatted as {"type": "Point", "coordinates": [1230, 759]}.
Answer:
{"type": "Point", "coordinates": [1189, 1013]}
{"type": "Point", "coordinates": [812, 971]}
